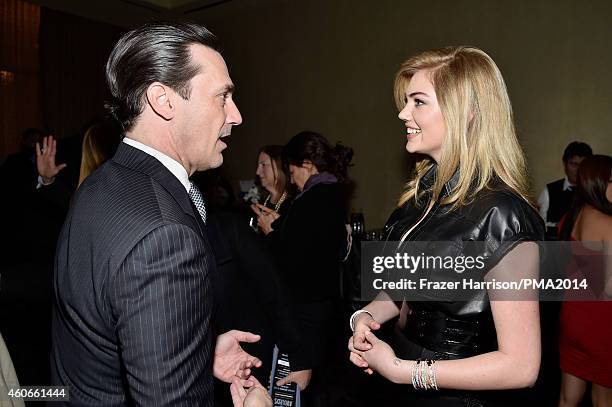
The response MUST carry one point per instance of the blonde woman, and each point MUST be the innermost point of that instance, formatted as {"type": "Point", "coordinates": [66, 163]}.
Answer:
{"type": "Point", "coordinates": [471, 185]}
{"type": "Point", "coordinates": [99, 144]}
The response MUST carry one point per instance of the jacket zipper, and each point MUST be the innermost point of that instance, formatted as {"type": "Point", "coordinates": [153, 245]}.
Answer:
{"type": "Point", "coordinates": [419, 224]}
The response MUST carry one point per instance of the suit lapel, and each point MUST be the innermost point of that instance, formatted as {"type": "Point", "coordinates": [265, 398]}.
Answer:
{"type": "Point", "coordinates": [138, 160]}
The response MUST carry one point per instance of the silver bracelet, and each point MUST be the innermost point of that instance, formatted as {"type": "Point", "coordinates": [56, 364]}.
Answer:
{"type": "Point", "coordinates": [432, 375]}
{"type": "Point", "coordinates": [352, 319]}
{"type": "Point", "coordinates": [413, 374]}
{"type": "Point", "coordinates": [423, 375]}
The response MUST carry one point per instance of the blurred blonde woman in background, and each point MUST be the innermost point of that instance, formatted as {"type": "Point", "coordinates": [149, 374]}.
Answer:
{"type": "Point", "coordinates": [99, 144]}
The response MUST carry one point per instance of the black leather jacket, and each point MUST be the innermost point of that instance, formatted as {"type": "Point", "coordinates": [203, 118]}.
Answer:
{"type": "Point", "coordinates": [498, 217]}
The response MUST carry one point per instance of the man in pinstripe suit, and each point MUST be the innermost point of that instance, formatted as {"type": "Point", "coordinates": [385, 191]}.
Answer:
{"type": "Point", "coordinates": [133, 272]}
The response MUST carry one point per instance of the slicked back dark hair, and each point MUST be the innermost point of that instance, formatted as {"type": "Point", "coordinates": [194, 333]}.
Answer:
{"type": "Point", "coordinates": [155, 52]}
{"type": "Point", "coordinates": [576, 148]}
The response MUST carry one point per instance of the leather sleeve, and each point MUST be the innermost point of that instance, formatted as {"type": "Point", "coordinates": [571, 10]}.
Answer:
{"type": "Point", "coordinates": [507, 223]}
{"type": "Point", "coordinates": [160, 299]}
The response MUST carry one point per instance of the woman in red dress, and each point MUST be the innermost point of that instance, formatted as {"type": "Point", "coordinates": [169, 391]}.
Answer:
{"type": "Point", "coordinates": [585, 343]}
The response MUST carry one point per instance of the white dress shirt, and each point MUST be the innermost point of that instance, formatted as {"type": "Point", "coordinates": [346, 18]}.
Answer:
{"type": "Point", "coordinates": [171, 164]}
{"type": "Point", "coordinates": [544, 201]}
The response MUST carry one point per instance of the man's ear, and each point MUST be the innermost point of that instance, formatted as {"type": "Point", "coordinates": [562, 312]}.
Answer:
{"type": "Point", "coordinates": [160, 98]}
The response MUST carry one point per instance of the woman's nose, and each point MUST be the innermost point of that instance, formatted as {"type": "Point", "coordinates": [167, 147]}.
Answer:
{"type": "Point", "coordinates": [405, 114]}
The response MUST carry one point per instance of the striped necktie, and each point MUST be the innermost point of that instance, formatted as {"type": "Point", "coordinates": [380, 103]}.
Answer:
{"type": "Point", "coordinates": [198, 201]}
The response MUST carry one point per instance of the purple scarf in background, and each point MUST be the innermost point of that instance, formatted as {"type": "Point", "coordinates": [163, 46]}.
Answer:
{"type": "Point", "coordinates": [320, 178]}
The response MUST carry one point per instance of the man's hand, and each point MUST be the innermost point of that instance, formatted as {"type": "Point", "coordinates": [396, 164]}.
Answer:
{"type": "Point", "coordinates": [45, 160]}
{"type": "Point", "coordinates": [299, 377]}
{"type": "Point", "coordinates": [230, 359]}
{"type": "Point", "coordinates": [255, 396]}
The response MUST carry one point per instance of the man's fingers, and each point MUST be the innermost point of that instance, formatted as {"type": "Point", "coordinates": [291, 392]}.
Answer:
{"type": "Point", "coordinates": [242, 336]}
{"type": "Point", "coordinates": [61, 167]}
{"type": "Point", "coordinates": [243, 373]}
{"type": "Point", "coordinates": [252, 362]}
{"type": "Point", "coordinates": [248, 364]}
{"type": "Point", "coordinates": [38, 152]}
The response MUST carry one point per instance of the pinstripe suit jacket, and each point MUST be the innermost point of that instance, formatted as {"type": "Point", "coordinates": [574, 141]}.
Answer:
{"type": "Point", "coordinates": [132, 311]}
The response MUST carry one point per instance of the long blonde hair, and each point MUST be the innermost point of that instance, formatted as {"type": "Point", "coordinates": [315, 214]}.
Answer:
{"type": "Point", "coordinates": [480, 137]}
{"type": "Point", "coordinates": [99, 144]}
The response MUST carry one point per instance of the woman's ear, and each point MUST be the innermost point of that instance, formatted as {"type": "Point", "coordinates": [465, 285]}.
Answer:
{"type": "Point", "coordinates": [160, 98]}
{"type": "Point", "coordinates": [312, 169]}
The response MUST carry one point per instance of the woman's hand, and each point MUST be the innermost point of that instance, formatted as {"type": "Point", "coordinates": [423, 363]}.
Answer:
{"type": "Point", "coordinates": [381, 358]}
{"type": "Point", "coordinates": [364, 324]}
{"type": "Point", "coordinates": [265, 217]}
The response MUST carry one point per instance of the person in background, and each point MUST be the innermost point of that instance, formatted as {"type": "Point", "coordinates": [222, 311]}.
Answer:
{"type": "Point", "coordinates": [585, 337]}
{"type": "Point", "coordinates": [20, 206]}
{"type": "Point", "coordinates": [99, 144]}
{"type": "Point", "coordinates": [19, 170]}
{"type": "Point", "coordinates": [555, 200]}
{"type": "Point", "coordinates": [249, 295]}
{"type": "Point", "coordinates": [309, 241]}
{"type": "Point", "coordinates": [8, 378]}
{"type": "Point", "coordinates": [272, 177]}
{"type": "Point", "coordinates": [470, 185]}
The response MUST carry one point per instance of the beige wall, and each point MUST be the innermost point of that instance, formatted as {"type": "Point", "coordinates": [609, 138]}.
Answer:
{"type": "Point", "coordinates": [328, 65]}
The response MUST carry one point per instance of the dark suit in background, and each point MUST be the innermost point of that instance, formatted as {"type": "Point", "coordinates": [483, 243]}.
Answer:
{"type": "Point", "coordinates": [131, 322]}
{"type": "Point", "coordinates": [249, 295]}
